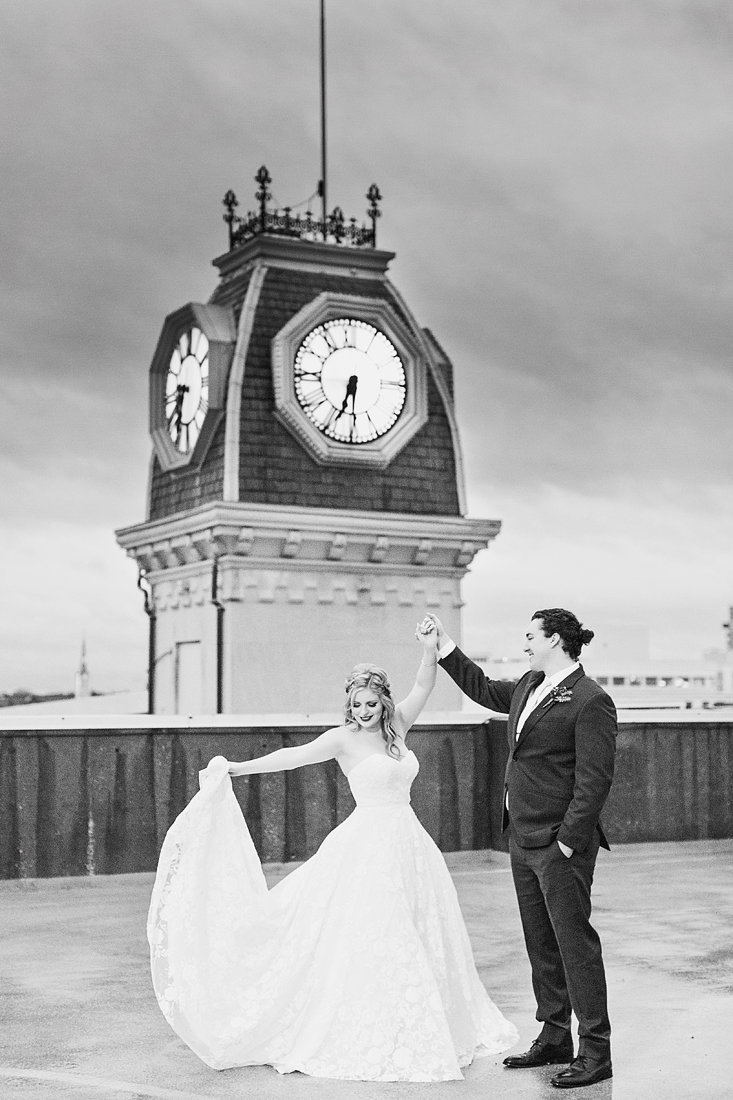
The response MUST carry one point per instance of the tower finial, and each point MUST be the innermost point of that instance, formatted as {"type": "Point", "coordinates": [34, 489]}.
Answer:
{"type": "Point", "coordinates": [263, 196]}
{"type": "Point", "coordinates": [374, 196]}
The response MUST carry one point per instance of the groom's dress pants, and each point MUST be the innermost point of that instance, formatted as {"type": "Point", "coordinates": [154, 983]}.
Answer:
{"type": "Point", "coordinates": [564, 950]}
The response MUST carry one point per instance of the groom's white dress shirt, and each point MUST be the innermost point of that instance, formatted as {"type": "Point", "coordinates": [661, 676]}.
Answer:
{"type": "Point", "coordinates": [544, 688]}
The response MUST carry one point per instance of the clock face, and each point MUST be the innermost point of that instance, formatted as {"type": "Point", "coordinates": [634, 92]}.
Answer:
{"type": "Point", "coordinates": [187, 389]}
{"type": "Point", "coordinates": [349, 380]}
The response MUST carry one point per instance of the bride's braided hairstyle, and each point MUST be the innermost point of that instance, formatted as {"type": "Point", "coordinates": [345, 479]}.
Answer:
{"type": "Point", "coordinates": [375, 679]}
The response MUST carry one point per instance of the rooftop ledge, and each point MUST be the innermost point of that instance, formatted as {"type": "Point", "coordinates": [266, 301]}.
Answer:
{"type": "Point", "coordinates": [132, 722]}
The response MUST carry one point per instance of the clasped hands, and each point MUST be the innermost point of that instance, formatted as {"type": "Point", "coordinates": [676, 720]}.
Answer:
{"type": "Point", "coordinates": [427, 634]}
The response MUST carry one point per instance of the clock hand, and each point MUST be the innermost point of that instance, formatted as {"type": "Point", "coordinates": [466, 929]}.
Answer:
{"type": "Point", "coordinates": [350, 393]}
{"type": "Point", "coordinates": [181, 392]}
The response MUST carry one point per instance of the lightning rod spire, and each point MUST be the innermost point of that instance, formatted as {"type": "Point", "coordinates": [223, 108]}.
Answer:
{"type": "Point", "coordinates": [322, 181]}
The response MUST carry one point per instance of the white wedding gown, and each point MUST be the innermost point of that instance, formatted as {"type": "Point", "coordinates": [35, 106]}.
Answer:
{"type": "Point", "coordinates": [357, 965]}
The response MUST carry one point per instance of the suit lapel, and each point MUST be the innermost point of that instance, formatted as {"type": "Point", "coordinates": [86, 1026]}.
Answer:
{"type": "Point", "coordinates": [547, 704]}
{"type": "Point", "coordinates": [533, 680]}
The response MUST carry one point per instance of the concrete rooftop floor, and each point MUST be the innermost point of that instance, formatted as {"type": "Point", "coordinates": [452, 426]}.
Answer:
{"type": "Point", "coordinates": [79, 1020]}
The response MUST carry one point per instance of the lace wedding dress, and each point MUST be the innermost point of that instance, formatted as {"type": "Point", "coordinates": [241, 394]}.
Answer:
{"type": "Point", "coordinates": [357, 965]}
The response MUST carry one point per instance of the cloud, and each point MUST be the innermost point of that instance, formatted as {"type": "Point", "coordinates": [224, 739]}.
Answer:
{"type": "Point", "coordinates": [664, 564]}
{"type": "Point", "coordinates": [555, 181]}
{"type": "Point", "coordinates": [59, 586]}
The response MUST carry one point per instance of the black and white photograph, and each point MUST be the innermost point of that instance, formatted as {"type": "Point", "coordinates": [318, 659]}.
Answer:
{"type": "Point", "coordinates": [366, 661]}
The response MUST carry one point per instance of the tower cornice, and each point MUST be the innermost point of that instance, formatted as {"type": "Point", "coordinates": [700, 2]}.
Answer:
{"type": "Point", "coordinates": [304, 255]}
{"type": "Point", "coordinates": [302, 537]}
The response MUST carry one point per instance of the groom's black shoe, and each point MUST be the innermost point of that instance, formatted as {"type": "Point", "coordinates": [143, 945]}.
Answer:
{"type": "Point", "coordinates": [542, 1053]}
{"type": "Point", "coordinates": [585, 1070]}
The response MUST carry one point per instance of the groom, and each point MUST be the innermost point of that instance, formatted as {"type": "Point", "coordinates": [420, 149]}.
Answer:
{"type": "Point", "coordinates": [562, 738]}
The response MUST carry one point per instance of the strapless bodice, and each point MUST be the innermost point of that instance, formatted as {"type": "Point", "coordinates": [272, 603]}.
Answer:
{"type": "Point", "coordinates": [382, 780]}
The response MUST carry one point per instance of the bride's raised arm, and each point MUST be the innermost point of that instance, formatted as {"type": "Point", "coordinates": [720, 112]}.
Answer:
{"type": "Point", "coordinates": [410, 708]}
{"type": "Point", "coordinates": [329, 745]}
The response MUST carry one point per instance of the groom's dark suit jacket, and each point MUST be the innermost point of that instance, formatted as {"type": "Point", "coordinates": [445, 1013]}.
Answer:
{"type": "Point", "coordinates": [559, 770]}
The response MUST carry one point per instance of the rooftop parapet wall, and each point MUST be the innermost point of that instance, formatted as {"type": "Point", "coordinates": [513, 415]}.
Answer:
{"type": "Point", "coordinates": [76, 801]}
{"type": "Point", "coordinates": [84, 799]}
{"type": "Point", "coordinates": [673, 780]}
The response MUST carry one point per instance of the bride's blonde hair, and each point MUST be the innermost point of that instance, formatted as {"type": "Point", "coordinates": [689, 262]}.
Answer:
{"type": "Point", "coordinates": [374, 679]}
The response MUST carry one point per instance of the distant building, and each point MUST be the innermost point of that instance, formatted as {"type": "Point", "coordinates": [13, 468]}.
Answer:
{"type": "Point", "coordinates": [644, 683]}
{"type": "Point", "coordinates": [84, 701]}
{"type": "Point", "coordinates": [82, 687]}
{"type": "Point", "coordinates": [116, 702]}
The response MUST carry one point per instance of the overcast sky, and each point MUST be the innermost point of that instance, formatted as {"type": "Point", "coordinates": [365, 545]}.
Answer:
{"type": "Point", "coordinates": [556, 181]}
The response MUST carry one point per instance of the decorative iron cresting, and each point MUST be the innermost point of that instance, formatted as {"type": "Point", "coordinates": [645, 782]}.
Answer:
{"type": "Point", "coordinates": [337, 230]}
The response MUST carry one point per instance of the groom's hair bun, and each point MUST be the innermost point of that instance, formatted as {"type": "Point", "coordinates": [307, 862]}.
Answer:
{"type": "Point", "coordinates": [573, 635]}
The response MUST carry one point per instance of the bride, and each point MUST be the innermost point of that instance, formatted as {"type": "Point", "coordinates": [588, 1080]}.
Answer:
{"type": "Point", "coordinates": [357, 965]}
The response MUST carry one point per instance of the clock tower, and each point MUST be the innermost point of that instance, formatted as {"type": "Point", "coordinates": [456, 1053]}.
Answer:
{"type": "Point", "coordinates": [305, 499]}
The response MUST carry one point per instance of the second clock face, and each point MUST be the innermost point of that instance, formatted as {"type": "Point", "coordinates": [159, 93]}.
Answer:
{"type": "Point", "coordinates": [349, 380]}
{"type": "Point", "coordinates": [187, 389]}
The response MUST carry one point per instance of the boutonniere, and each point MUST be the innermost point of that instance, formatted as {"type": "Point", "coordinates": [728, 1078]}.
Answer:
{"type": "Point", "coordinates": [559, 694]}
